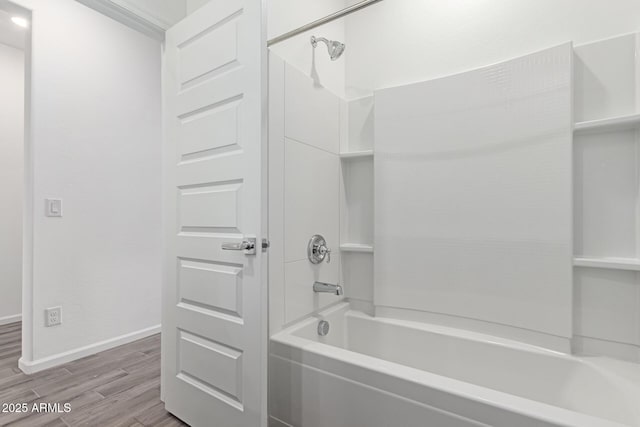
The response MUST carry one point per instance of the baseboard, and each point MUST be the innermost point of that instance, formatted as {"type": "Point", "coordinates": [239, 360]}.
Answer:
{"type": "Point", "coordinates": [10, 319]}
{"type": "Point", "coordinates": [31, 367]}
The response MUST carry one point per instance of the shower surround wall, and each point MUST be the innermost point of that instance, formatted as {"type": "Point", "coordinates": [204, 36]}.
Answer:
{"type": "Point", "coordinates": [604, 309]}
{"type": "Point", "coordinates": [304, 163]}
{"type": "Point", "coordinates": [473, 200]}
{"type": "Point", "coordinates": [601, 315]}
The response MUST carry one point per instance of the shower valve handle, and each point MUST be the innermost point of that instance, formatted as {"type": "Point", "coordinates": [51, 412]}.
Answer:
{"type": "Point", "coordinates": [317, 250]}
{"type": "Point", "coordinates": [326, 252]}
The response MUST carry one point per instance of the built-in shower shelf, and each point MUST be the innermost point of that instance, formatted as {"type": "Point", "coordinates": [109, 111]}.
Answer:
{"type": "Point", "coordinates": [612, 124]}
{"type": "Point", "coordinates": [356, 247]}
{"type": "Point", "coordinates": [356, 154]}
{"type": "Point", "coordinates": [632, 264]}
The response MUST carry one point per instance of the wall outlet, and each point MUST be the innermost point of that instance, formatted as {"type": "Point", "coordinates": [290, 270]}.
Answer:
{"type": "Point", "coordinates": [53, 316]}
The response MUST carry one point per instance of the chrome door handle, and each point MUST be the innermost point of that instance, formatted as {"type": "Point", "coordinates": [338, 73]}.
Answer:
{"type": "Point", "coordinates": [248, 246]}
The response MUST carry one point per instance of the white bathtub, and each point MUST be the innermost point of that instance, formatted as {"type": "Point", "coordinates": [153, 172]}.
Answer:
{"type": "Point", "coordinates": [381, 372]}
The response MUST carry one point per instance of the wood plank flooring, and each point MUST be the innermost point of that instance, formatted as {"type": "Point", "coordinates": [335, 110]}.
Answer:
{"type": "Point", "coordinates": [118, 387]}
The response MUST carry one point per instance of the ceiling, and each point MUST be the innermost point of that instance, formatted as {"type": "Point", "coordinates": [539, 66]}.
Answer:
{"type": "Point", "coordinates": [10, 33]}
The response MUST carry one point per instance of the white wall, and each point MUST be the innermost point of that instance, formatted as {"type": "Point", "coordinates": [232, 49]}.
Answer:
{"type": "Point", "coordinates": [194, 4]}
{"type": "Point", "coordinates": [11, 180]}
{"type": "Point", "coordinates": [285, 15]}
{"type": "Point", "coordinates": [403, 41]}
{"type": "Point", "coordinates": [95, 143]}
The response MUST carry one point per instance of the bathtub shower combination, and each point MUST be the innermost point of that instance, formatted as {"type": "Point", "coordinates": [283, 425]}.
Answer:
{"type": "Point", "coordinates": [453, 248]}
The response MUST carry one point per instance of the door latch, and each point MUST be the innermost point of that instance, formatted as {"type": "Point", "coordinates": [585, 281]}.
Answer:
{"type": "Point", "coordinates": [248, 246]}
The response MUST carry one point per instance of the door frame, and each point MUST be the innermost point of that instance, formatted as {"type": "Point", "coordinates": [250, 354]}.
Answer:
{"type": "Point", "coordinates": [26, 8]}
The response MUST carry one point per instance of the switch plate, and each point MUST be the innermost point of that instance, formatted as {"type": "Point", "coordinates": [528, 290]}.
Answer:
{"type": "Point", "coordinates": [53, 207]}
{"type": "Point", "coordinates": [53, 316]}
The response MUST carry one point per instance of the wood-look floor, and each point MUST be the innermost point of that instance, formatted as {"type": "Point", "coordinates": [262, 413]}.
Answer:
{"type": "Point", "coordinates": [118, 387]}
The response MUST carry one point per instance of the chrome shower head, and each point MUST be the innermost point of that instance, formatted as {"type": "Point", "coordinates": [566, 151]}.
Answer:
{"type": "Point", "coordinates": [334, 48]}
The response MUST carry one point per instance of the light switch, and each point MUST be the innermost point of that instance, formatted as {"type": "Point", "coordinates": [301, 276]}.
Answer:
{"type": "Point", "coordinates": [54, 207]}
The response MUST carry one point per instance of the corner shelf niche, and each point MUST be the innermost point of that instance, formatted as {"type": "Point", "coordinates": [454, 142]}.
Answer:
{"type": "Point", "coordinates": [619, 123]}
{"type": "Point", "coordinates": [356, 204]}
{"type": "Point", "coordinates": [606, 167]}
{"type": "Point", "coordinates": [356, 198]}
{"type": "Point", "coordinates": [629, 264]}
{"type": "Point", "coordinates": [356, 247]}
{"type": "Point", "coordinates": [356, 154]}
{"type": "Point", "coordinates": [606, 189]}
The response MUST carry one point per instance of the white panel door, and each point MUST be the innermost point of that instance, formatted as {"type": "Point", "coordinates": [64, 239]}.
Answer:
{"type": "Point", "coordinates": [214, 328]}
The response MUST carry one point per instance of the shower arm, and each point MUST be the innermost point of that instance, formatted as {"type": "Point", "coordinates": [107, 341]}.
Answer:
{"type": "Point", "coordinates": [315, 40]}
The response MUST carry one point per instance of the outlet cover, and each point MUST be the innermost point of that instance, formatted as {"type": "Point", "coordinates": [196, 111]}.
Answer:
{"type": "Point", "coordinates": [53, 316]}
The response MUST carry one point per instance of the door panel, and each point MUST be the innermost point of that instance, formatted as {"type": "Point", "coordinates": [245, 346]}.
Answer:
{"type": "Point", "coordinates": [214, 309]}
